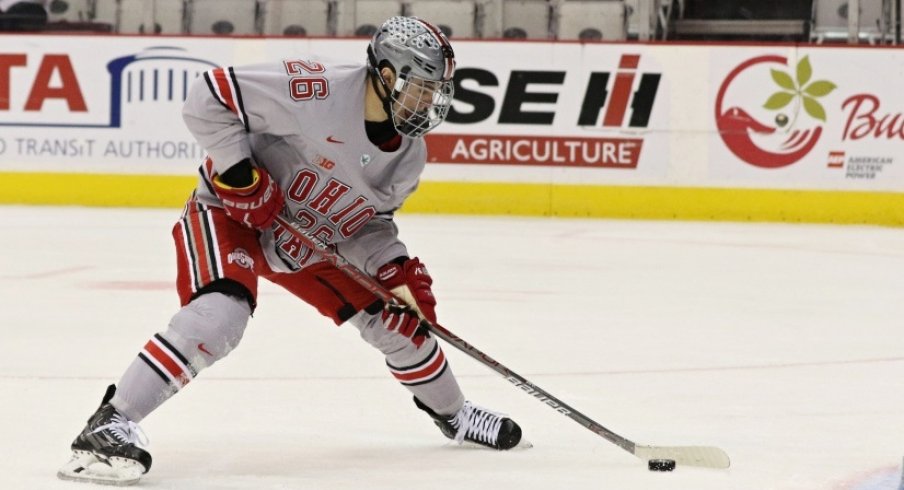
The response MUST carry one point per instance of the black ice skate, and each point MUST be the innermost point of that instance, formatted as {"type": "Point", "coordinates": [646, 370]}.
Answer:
{"type": "Point", "coordinates": [477, 425]}
{"type": "Point", "coordinates": [107, 451]}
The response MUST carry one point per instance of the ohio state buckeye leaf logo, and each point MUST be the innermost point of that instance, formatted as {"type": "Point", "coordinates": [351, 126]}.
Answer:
{"type": "Point", "coordinates": [799, 89]}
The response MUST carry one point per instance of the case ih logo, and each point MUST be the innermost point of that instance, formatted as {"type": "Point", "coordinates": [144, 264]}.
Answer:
{"type": "Point", "coordinates": [797, 117]}
{"type": "Point", "coordinates": [624, 100]}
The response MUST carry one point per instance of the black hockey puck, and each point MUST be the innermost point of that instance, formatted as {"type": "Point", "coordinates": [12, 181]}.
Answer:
{"type": "Point", "coordinates": [661, 464]}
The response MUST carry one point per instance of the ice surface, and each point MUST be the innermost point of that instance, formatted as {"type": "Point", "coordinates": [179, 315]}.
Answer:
{"type": "Point", "coordinates": [782, 344]}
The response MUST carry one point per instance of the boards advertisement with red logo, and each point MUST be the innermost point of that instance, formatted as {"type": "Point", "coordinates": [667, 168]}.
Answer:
{"type": "Point", "coordinates": [558, 120]}
{"type": "Point", "coordinates": [598, 112]}
{"type": "Point", "coordinates": [808, 118]}
{"type": "Point", "coordinates": [584, 113]}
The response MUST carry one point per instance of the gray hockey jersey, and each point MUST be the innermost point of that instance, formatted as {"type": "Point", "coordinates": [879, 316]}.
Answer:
{"type": "Point", "coordinates": [303, 121]}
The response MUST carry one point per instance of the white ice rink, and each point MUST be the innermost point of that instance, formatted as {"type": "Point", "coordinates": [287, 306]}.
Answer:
{"type": "Point", "coordinates": [781, 344]}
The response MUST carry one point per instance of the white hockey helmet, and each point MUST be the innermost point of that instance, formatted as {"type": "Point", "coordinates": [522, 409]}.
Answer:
{"type": "Point", "coordinates": [423, 61]}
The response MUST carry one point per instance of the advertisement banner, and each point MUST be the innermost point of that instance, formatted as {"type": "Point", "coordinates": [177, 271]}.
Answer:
{"type": "Point", "coordinates": [113, 104]}
{"type": "Point", "coordinates": [808, 118]}
{"type": "Point", "coordinates": [616, 114]}
{"type": "Point", "coordinates": [89, 105]}
{"type": "Point", "coordinates": [599, 113]}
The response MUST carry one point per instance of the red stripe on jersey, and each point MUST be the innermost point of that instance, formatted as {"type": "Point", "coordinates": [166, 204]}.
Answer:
{"type": "Point", "coordinates": [208, 168]}
{"type": "Point", "coordinates": [219, 76]}
{"type": "Point", "coordinates": [166, 361]}
{"type": "Point", "coordinates": [198, 239]}
{"type": "Point", "coordinates": [428, 371]}
{"type": "Point", "coordinates": [186, 285]}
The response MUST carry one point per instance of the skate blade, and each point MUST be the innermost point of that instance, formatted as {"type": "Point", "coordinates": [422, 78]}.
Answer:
{"type": "Point", "coordinates": [88, 468]}
{"type": "Point", "coordinates": [523, 445]}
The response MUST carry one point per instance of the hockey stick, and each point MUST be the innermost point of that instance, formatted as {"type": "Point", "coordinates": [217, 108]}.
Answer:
{"type": "Point", "coordinates": [703, 456]}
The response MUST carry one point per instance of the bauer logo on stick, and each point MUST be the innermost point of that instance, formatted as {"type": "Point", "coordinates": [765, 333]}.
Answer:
{"type": "Point", "coordinates": [661, 464]}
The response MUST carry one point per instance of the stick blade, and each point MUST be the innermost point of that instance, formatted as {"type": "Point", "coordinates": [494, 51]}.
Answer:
{"type": "Point", "coordinates": [702, 456]}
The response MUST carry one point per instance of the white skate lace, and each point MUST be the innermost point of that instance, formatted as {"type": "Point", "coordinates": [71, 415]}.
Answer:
{"type": "Point", "coordinates": [124, 430]}
{"type": "Point", "coordinates": [477, 423]}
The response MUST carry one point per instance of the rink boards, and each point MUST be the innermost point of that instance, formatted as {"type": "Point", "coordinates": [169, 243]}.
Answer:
{"type": "Point", "coordinates": [683, 131]}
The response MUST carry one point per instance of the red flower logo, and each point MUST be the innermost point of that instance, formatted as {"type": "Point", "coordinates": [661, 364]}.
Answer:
{"type": "Point", "coordinates": [788, 138]}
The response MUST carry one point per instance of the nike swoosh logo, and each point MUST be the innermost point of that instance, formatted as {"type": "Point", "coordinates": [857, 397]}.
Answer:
{"type": "Point", "coordinates": [330, 139]}
{"type": "Point", "coordinates": [202, 349]}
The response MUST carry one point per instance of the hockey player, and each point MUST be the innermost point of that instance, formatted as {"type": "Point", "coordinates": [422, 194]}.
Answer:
{"type": "Point", "coordinates": [336, 147]}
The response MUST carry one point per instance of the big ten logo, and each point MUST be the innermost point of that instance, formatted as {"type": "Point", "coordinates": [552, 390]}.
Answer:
{"type": "Point", "coordinates": [324, 162]}
{"type": "Point", "coordinates": [605, 101]}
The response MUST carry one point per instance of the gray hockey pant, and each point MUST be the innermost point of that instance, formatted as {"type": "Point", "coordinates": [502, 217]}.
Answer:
{"type": "Point", "coordinates": [422, 369]}
{"type": "Point", "coordinates": [200, 334]}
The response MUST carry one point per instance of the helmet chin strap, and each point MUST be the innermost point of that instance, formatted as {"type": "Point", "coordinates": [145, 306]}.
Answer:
{"type": "Point", "coordinates": [375, 75]}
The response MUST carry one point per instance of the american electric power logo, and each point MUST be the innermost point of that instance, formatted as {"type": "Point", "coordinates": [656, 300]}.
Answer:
{"type": "Point", "coordinates": [882, 132]}
{"type": "Point", "coordinates": [793, 101]}
{"type": "Point", "coordinates": [610, 103]}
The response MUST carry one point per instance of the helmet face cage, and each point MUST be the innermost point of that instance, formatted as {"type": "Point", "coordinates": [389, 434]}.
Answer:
{"type": "Point", "coordinates": [424, 63]}
{"type": "Point", "coordinates": [419, 105]}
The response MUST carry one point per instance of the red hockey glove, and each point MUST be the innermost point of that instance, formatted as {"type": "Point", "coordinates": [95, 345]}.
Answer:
{"type": "Point", "coordinates": [256, 205]}
{"type": "Point", "coordinates": [410, 281]}
{"type": "Point", "coordinates": [404, 320]}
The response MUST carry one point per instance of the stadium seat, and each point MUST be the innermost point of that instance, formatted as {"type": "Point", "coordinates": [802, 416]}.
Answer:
{"type": "Point", "coordinates": [456, 18]}
{"type": "Point", "coordinates": [634, 21]}
{"type": "Point", "coordinates": [296, 17]}
{"type": "Point", "coordinates": [105, 11]}
{"type": "Point", "coordinates": [222, 17]}
{"type": "Point", "coordinates": [526, 19]}
{"type": "Point", "coordinates": [592, 20]}
{"type": "Point", "coordinates": [142, 16]}
{"type": "Point", "coordinates": [362, 17]}
{"type": "Point", "coordinates": [109, 11]}
{"type": "Point", "coordinates": [70, 11]}
{"type": "Point", "coordinates": [830, 21]}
